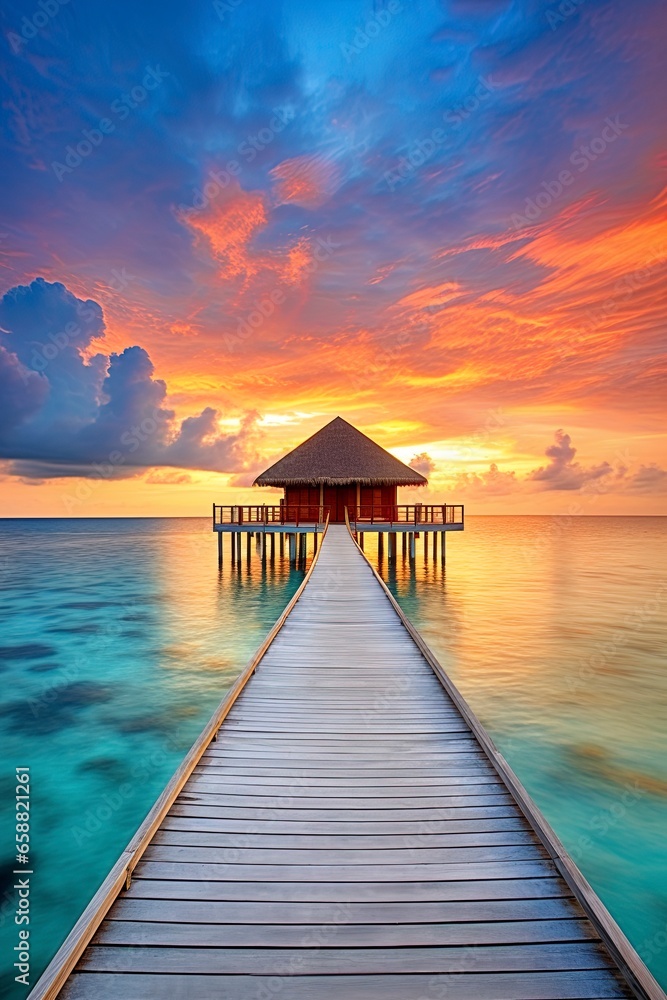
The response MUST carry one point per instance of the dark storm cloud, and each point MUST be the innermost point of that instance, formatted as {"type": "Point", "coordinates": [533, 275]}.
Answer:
{"type": "Point", "coordinates": [64, 413]}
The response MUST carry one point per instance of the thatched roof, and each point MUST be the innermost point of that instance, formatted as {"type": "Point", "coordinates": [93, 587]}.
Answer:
{"type": "Point", "coordinates": [336, 455]}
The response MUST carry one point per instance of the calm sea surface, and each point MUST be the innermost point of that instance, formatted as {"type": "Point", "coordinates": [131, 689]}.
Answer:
{"type": "Point", "coordinates": [119, 638]}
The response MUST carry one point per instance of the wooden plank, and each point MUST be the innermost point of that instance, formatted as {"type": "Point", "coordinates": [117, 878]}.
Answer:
{"type": "Point", "coordinates": [362, 714]}
{"type": "Point", "coordinates": [220, 795]}
{"type": "Point", "coordinates": [197, 854]}
{"type": "Point", "coordinates": [353, 784]}
{"type": "Point", "coordinates": [248, 708]}
{"type": "Point", "coordinates": [366, 757]}
{"type": "Point", "coordinates": [587, 985]}
{"type": "Point", "coordinates": [343, 742]}
{"type": "Point", "coordinates": [342, 778]}
{"type": "Point", "coordinates": [184, 807]}
{"type": "Point", "coordinates": [471, 871]}
{"type": "Point", "coordinates": [327, 961]}
{"type": "Point", "coordinates": [374, 701]}
{"type": "Point", "coordinates": [345, 763]}
{"type": "Point", "coordinates": [310, 721]}
{"type": "Point", "coordinates": [191, 818]}
{"type": "Point", "coordinates": [315, 733]}
{"type": "Point", "coordinates": [367, 792]}
{"type": "Point", "coordinates": [340, 934]}
{"type": "Point", "coordinates": [461, 912]}
{"type": "Point", "coordinates": [151, 887]}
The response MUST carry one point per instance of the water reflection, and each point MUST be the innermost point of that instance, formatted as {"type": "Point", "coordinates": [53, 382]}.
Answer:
{"type": "Point", "coordinates": [555, 632]}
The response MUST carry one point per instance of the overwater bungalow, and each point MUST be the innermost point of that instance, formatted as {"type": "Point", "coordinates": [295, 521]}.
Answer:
{"type": "Point", "coordinates": [341, 474]}
{"type": "Point", "coordinates": [338, 468]}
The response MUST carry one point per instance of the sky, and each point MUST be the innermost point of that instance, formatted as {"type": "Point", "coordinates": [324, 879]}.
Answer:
{"type": "Point", "coordinates": [224, 223]}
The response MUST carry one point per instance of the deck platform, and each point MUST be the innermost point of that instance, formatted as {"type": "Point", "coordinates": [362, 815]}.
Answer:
{"type": "Point", "coordinates": [350, 833]}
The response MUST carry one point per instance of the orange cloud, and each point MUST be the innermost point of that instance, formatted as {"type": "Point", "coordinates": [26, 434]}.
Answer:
{"type": "Point", "coordinates": [305, 180]}
{"type": "Point", "coordinates": [228, 225]}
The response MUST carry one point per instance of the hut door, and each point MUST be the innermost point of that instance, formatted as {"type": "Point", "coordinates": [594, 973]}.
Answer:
{"type": "Point", "coordinates": [336, 498]}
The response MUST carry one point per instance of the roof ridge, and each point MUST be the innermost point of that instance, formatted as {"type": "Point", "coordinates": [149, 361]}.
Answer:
{"type": "Point", "coordinates": [336, 454]}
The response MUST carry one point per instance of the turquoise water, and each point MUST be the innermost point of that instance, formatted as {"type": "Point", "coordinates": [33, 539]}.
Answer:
{"type": "Point", "coordinates": [119, 639]}
{"type": "Point", "coordinates": [555, 630]}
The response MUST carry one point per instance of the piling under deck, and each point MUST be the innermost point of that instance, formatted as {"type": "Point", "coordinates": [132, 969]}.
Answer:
{"type": "Point", "coordinates": [350, 834]}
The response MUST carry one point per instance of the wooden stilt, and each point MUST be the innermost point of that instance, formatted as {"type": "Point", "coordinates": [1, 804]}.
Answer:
{"type": "Point", "coordinates": [412, 545]}
{"type": "Point", "coordinates": [282, 544]}
{"type": "Point", "coordinates": [361, 541]}
{"type": "Point", "coordinates": [263, 546]}
{"type": "Point", "coordinates": [292, 547]}
{"type": "Point", "coordinates": [219, 550]}
{"type": "Point", "coordinates": [380, 544]}
{"type": "Point", "coordinates": [248, 547]}
{"type": "Point", "coordinates": [443, 536]}
{"type": "Point", "coordinates": [435, 544]}
{"type": "Point", "coordinates": [426, 545]}
{"type": "Point", "coordinates": [233, 546]}
{"type": "Point", "coordinates": [404, 536]}
{"type": "Point", "coordinates": [314, 543]}
{"type": "Point", "coordinates": [273, 546]}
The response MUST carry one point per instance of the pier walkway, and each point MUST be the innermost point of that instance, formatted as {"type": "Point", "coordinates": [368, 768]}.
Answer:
{"type": "Point", "coordinates": [351, 834]}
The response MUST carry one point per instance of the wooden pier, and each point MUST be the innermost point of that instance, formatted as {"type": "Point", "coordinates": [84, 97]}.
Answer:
{"type": "Point", "coordinates": [293, 523]}
{"type": "Point", "coordinates": [344, 828]}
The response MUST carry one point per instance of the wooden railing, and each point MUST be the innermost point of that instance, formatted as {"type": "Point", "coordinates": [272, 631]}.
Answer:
{"type": "Point", "coordinates": [265, 514]}
{"type": "Point", "coordinates": [419, 513]}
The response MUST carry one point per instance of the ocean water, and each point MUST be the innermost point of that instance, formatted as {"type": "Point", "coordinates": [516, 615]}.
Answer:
{"type": "Point", "coordinates": [555, 631]}
{"type": "Point", "coordinates": [119, 638]}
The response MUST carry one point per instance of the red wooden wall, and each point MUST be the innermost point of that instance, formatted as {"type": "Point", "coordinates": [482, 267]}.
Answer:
{"type": "Point", "coordinates": [337, 497]}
